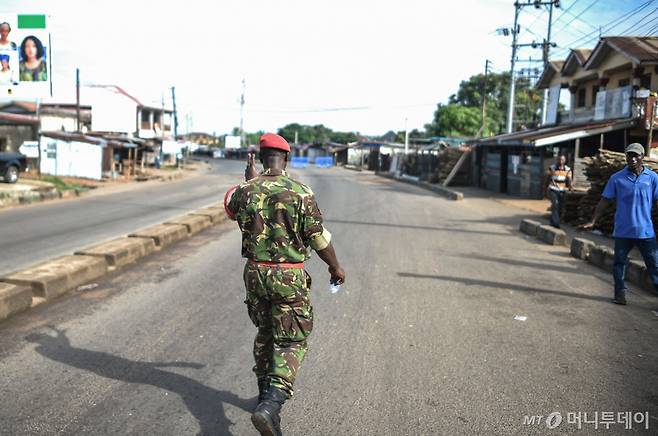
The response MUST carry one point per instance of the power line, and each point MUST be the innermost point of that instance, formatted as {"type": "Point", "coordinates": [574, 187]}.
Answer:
{"type": "Point", "coordinates": [638, 25]}
{"type": "Point", "coordinates": [614, 23]}
{"type": "Point", "coordinates": [565, 11]}
{"type": "Point", "coordinates": [578, 16]}
{"type": "Point", "coordinates": [653, 29]}
{"type": "Point", "coordinates": [605, 28]}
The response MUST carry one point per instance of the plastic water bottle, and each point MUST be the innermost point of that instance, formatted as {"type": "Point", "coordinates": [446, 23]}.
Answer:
{"type": "Point", "coordinates": [334, 288]}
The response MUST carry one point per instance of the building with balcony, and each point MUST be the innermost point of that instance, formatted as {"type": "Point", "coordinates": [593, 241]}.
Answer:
{"type": "Point", "coordinates": [603, 98]}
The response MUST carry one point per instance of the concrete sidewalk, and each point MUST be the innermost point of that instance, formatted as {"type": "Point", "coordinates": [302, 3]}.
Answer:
{"type": "Point", "coordinates": [30, 190]}
{"type": "Point", "coordinates": [541, 211]}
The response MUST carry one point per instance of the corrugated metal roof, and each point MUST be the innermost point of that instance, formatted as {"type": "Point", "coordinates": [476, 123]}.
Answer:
{"type": "Point", "coordinates": [548, 73]}
{"type": "Point", "coordinates": [577, 58]}
{"type": "Point", "coordinates": [639, 49]}
{"type": "Point", "coordinates": [582, 54]}
{"type": "Point", "coordinates": [90, 139]}
{"type": "Point", "coordinates": [10, 118]}
{"type": "Point", "coordinates": [554, 134]}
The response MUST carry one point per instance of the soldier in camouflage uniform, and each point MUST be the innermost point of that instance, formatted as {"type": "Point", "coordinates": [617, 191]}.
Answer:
{"type": "Point", "coordinates": [280, 223]}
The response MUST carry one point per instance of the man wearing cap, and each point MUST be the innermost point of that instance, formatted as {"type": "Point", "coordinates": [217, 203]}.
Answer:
{"type": "Point", "coordinates": [636, 190]}
{"type": "Point", "coordinates": [280, 223]}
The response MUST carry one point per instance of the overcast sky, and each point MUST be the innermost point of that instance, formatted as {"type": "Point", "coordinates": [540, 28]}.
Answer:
{"type": "Point", "coordinates": [352, 65]}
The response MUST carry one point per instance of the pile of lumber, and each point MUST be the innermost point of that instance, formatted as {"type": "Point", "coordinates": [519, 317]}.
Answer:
{"type": "Point", "coordinates": [571, 202]}
{"type": "Point", "coordinates": [448, 158]}
{"type": "Point", "coordinates": [579, 208]}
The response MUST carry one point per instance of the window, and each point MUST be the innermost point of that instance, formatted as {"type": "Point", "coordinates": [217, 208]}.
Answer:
{"type": "Point", "coordinates": [595, 89]}
{"type": "Point", "coordinates": [645, 81]}
{"type": "Point", "coordinates": [3, 144]}
{"type": "Point", "coordinates": [624, 82]}
{"type": "Point", "coordinates": [580, 97]}
{"type": "Point", "coordinates": [146, 120]}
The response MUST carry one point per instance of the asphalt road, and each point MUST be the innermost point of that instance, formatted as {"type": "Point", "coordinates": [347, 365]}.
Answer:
{"type": "Point", "coordinates": [42, 231]}
{"type": "Point", "coordinates": [422, 340]}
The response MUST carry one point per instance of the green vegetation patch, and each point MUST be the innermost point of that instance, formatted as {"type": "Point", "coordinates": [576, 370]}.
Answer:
{"type": "Point", "coordinates": [61, 185]}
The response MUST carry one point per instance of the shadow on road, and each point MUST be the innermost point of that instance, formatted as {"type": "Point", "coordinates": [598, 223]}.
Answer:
{"type": "Point", "coordinates": [408, 226]}
{"type": "Point", "coordinates": [205, 403]}
{"type": "Point", "coordinates": [504, 286]}
{"type": "Point", "coordinates": [573, 268]}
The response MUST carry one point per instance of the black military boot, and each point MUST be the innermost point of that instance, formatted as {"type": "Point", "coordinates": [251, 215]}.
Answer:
{"type": "Point", "coordinates": [263, 385]}
{"type": "Point", "coordinates": [266, 417]}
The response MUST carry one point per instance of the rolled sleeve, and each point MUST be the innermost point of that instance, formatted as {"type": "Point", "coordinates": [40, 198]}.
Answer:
{"type": "Point", "coordinates": [313, 232]}
{"type": "Point", "coordinates": [231, 202]}
{"type": "Point", "coordinates": [321, 241]}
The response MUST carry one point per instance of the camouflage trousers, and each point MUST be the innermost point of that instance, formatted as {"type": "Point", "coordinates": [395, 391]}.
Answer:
{"type": "Point", "coordinates": [278, 304]}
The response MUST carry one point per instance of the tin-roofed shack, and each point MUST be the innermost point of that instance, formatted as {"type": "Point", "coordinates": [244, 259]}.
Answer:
{"type": "Point", "coordinates": [78, 155]}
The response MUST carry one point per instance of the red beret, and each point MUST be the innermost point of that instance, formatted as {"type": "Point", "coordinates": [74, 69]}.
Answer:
{"type": "Point", "coordinates": [271, 140]}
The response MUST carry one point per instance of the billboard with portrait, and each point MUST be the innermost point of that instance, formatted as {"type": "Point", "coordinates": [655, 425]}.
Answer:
{"type": "Point", "coordinates": [25, 64]}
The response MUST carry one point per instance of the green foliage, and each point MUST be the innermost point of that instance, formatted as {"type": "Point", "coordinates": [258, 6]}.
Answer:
{"type": "Point", "coordinates": [62, 185]}
{"type": "Point", "coordinates": [458, 117]}
{"type": "Point", "coordinates": [318, 134]}
{"type": "Point", "coordinates": [455, 120]}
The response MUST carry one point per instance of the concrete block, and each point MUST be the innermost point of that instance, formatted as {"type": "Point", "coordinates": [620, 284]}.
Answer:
{"type": "Point", "coordinates": [580, 248]}
{"type": "Point", "coordinates": [162, 234]}
{"type": "Point", "coordinates": [193, 223]}
{"type": "Point", "coordinates": [602, 256]}
{"type": "Point", "coordinates": [55, 277]}
{"type": "Point", "coordinates": [216, 214]}
{"type": "Point", "coordinates": [551, 235]}
{"type": "Point", "coordinates": [14, 299]}
{"type": "Point", "coordinates": [529, 227]}
{"type": "Point", "coordinates": [442, 190]}
{"type": "Point", "coordinates": [122, 251]}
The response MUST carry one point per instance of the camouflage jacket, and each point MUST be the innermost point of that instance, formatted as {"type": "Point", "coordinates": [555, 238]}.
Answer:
{"type": "Point", "coordinates": [279, 218]}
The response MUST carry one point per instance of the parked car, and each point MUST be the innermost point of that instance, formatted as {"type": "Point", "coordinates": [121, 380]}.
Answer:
{"type": "Point", "coordinates": [11, 165]}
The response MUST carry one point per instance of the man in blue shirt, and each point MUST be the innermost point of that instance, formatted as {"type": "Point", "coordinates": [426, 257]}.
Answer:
{"type": "Point", "coordinates": [636, 190]}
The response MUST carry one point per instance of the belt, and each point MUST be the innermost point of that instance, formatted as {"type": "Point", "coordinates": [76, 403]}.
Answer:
{"type": "Point", "coordinates": [299, 265]}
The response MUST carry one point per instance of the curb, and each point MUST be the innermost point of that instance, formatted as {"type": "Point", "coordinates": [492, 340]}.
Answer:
{"type": "Point", "coordinates": [36, 196]}
{"type": "Point", "coordinates": [437, 189]}
{"type": "Point", "coordinates": [597, 255]}
{"type": "Point", "coordinates": [26, 288]}
{"type": "Point", "coordinates": [193, 223]}
{"type": "Point", "coordinates": [121, 251]}
{"type": "Point", "coordinates": [55, 277]}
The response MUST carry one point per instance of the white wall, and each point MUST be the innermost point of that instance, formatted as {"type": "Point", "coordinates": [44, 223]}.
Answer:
{"type": "Point", "coordinates": [55, 123]}
{"type": "Point", "coordinates": [72, 159]}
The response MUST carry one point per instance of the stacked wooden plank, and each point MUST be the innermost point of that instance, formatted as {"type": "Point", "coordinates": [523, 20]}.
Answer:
{"type": "Point", "coordinates": [579, 208]}
{"type": "Point", "coordinates": [448, 158]}
{"type": "Point", "coordinates": [571, 202]}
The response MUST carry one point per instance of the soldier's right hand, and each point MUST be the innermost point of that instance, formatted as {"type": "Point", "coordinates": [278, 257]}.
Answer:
{"type": "Point", "coordinates": [250, 172]}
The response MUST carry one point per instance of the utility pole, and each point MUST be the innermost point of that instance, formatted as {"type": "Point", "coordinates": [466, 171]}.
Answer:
{"type": "Point", "coordinates": [173, 99]}
{"type": "Point", "coordinates": [77, 99]}
{"type": "Point", "coordinates": [406, 137]}
{"type": "Point", "coordinates": [515, 46]}
{"type": "Point", "coordinates": [546, 48]}
{"type": "Point", "coordinates": [242, 136]}
{"type": "Point", "coordinates": [484, 100]}
{"type": "Point", "coordinates": [515, 32]}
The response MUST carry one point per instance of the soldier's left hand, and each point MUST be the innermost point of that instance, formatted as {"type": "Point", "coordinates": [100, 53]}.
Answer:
{"type": "Point", "coordinates": [337, 275]}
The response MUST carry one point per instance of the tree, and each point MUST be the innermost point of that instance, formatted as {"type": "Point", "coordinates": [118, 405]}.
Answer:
{"type": "Point", "coordinates": [454, 120]}
{"type": "Point", "coordinates": [318, 134]}
{"type": "Point", "coordinates": [469, 96]}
